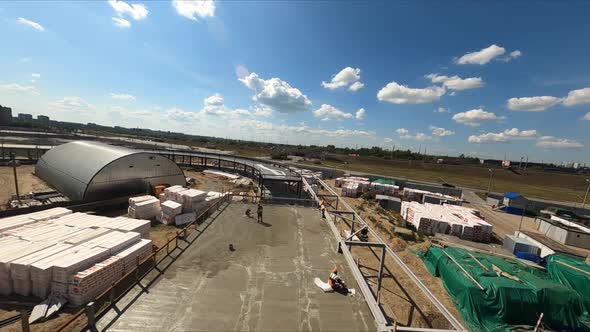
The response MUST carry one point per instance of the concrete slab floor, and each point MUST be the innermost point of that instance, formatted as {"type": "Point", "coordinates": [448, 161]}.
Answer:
{"type": "Point", "coordinates": [266, 284]}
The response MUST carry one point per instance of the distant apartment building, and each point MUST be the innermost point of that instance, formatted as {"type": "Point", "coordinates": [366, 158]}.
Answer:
{"type": "Point", "coordinates": [25, 118]}
{"type": "Point", "coordinates": [43, 120]}
{"type": "Point", "coordinates": [5, 116]}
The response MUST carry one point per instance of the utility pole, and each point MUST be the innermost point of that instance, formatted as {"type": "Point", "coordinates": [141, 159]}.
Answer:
{"type": "Point", "coordinates": [586, 196]}
{"type": "Point", "coordinates": [13, 157]}
{"type": "Point", "coordinates": [490, 181]}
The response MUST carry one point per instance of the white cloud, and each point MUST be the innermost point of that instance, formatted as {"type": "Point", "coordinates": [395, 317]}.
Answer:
{"type": "Point", "coordinates": [277, 94]}
{"type": "Point", "coordinates": [30, 23]}
{"type": "Point", "coordinates": [401, 94]}
{"type": "Point", "coordinates": [551, 142]}
{"type": "Point", "coordinates": [456, 82]}
{"type": "Point", "coordinates": [388, 140]}
{"type": "Point", "coordinates": [214, 105]}
{"type": "Point", "coordinates": [122, 96]}
{"type": "Point", "coordinates": [301, 132]}
{"type": "Point", "coordinates": [402, 131]}
{"type": "Point", "coordinates": [577, 97]}
{"type": "Point", "coordinates": [346, 77]}
{"type": "Point", "coordinates": [356, 86]}
{"type": "Point", "coordinates": [137, 11]}
{"type": "Point", "coordinates": [441, 132]}
{"type": "Point", "coordinates": [25, 59]}
{"type": "Point", "coordinates": [532, 104]}
{"type": "Point", "coordinates": [360, 114]}
{"type": "Point", "coordinates": [71, 104]}
{"type": "Point", "coordinates": [329, 112]}
{"type": "Point", "coordinates": [242, 71]}
{"type": "Point", "coordinates": [214, 100]}
{"type": "Point", "coordinates": [505, 136]}
{"type": "Point", "coordinates": [481, 57]}
{"type": "Point", "coordinates": [194, 9]}
{"type": "Point", "coordinates": [36, 75]}
{"type": "Point", "coordinates": [475, 117]}
{"type": "Point", "coordinates": [513, 55]}
{"type": "Point", "coordinates": [121, 22]}
{"type": "Point", "coordinates": [263, 112]}
{"type": "Point", "coordinates": [441, 110]}
{"type": "Point", "coordinates": [178, 114]}
{"type": "Point", "coordinates": [586, 117]}
{"type": "Point", "coordinates": [14, 87]}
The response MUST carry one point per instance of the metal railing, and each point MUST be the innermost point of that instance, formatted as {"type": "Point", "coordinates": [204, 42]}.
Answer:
{"type": "Point", "coordinates": [108, 299]}
{"type": "Point", "coordinates": [371, 301]}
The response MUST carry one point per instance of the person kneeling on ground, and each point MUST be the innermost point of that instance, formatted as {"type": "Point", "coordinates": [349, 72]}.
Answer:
{"type": "Point", "coordinates": [248, 213]}
{"type": "Point", "coordinates": [337, 283]}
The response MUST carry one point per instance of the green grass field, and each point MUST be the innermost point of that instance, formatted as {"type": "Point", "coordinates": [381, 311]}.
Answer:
{"type": "Point", "coordinates": [534, 183]}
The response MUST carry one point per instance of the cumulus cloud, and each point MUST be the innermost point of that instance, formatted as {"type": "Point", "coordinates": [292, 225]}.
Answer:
{"type": "Point", "coordinates": [36, 75]}
{"type": "Point", "coordinates": [586, 117]}
{"type": "Point", "coordinates": [329, 112]}
{"type": "Point", "coordinates": [551, 142]}
{"type": "Point", "coordinates": [14, 87]}
{"type": "Point", "coordinates": [122, 96]}
{"type": "Point", "coordinates": [263, 112]}
{"type": "Point", "coordinates": [532, 104]}
{"type": "Point", "coordinates": [215, 105]}
{"type": "Point", "coordinates": [441, 110]}
{"type": "Point", "coordinates": [512, 55]}
{"type": "Point", "coordinates": [401, 94]}
{"type": "Point", "coordinates": [482, 56]}
{"type": "Point", "coordinates": [475, 117]}
{"type": "Point", "coordinates": [302, 130]}
{"type": "Point", "coordinates": [360, 114]}
{"type": "Point", "coordinates": [441, 132]}
{"type": "Point", "coordinates": [456, 82]}
{"type": "Point", "coordinates": [136, 11]}
{"type": "Point", "coordinates": [276, 94]}
{"type": "Point", "coordinates": [502, 137]}
{"type": "Point", "coordinates": [348, 76]}
{"type": "Point", "coordinates": [72, 104]}
{"type": "Point", "coordinates": [31, 24]}
{"type": "Point", "coordinates": [179, 114]}
{"type": "Point", "coordinates": [121, 22]}
{"type": "Point", "coordinates": [194, 9]}
{"type": "Point", "coordinates": [242, 71]}
{"type": "Point", "coordinates": [402, 131]}
{"type": "Point", "coordinates": [577, 97]}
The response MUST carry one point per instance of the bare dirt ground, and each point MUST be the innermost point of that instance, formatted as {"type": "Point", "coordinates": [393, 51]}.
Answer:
{"type": "Point", "coordinates": [400, 296]}
{"type": "Point", "coordinates": [27, 182]}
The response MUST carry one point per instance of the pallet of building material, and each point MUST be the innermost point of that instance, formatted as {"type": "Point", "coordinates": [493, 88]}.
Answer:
{"type": "Point", "coordinates": [48, 214]}
{"type": "Point", "coordinates": [174, 193]}
{"type": "Point", "coordinates": [191, 197]}
{"type": "Point", "coordinates": [147, 207]}
{"type": "Point", "coordinates": [86, 284]}
{"type": "Point", "coordinates": [63, 269]}
{"type": "Point", "coordinates": [14, 222]}
{"type": "Point", "coordinates": [86, 234]}
{"type": "Point", "coordinates": [131, 225]}
{"type": "Point", "coordinates": [171, 208]}
{"type": "Point", "coordinates": [133, 200]}
{"type": "Point", "coordinates": [134, 253]}
{"type": "Point", "coordinates": [113, 241]}
{"type": "Point", "coordinates": [20, 268]}
{"type": "Point", "coordinates": [12, 253]}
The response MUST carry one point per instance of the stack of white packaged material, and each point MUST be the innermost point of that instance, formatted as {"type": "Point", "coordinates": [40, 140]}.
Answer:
{"type": "Point", "coordinates": [192, 197]}
{"type": "Point", "coordinates": [174, 193]}
{"type": "Point", "coordinates": [87, 284]}
{"type": "Point", "coordinates": [31, 218]}
{"type": "Point", "coordinates": [113, 241]}
{"type": "Point", "coordinates": [144, 207]}
{"type": "Point", "coordinates": [135, 253]}
{"type": "Point", "coordinates": [448, 219]}
{"type": "Point", "coordinates": [130, 225]}
{"type": "Point", "coordinates": [385, 189]}
{"type": "Point", "coordinates": [350, 189]}
{"type": "Point", "coordinates": [170, 209]}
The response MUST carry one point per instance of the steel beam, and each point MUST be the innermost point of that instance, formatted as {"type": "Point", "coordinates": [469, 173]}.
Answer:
{"type": "Point", "coordinates": [365, 244]}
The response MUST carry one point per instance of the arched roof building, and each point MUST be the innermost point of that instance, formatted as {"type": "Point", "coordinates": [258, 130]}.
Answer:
{"type": "Point", "coordinates": [84, 170]}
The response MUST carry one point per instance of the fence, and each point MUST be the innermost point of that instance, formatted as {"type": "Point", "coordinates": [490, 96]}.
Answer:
{"type": "Point", "coordinates": [108, 299]}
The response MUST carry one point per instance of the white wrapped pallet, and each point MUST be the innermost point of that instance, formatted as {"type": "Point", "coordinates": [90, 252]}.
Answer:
{"type": "Point", "coordinates": [133, 200]}
{"type": "Point", "coordinates": [113, 241]}
{"type": "Point", "coordinates": [192, 197]}
{"type": "Point", "coordinates": [64, 268]}
{"type": "Point", "coordinates": [140, 250]}
{"type": "Point", "coordinates": [14, 222]}
{"type": "Point", "coordinates": [86, 234]}
{"type": "Point", "coordinates": [145, 209]}
{"type": "Point", "coordinates": [16, 251]}
{"type": "Point", "coordinates": [53, 213]}
{"type": "Point", "coordinates": [171, 208]}
{"type": "Point", "coordinates": [87, 284]}
{"type": "Point", "coordinates": [185, 218]}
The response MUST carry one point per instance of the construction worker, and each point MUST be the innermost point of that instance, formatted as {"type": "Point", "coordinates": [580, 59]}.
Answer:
{"type": "Point", "coordinates": [259, 212]}
{"type": "Point", "coordinates": [248, 213]}
{"type": "Point", "coordinates": [323, 209]}
{"type": "Point", "coordinates": [336, 282]}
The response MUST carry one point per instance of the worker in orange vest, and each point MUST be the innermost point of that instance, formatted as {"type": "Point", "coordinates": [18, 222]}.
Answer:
{"type": "Point", "coordinates": [336, 282]}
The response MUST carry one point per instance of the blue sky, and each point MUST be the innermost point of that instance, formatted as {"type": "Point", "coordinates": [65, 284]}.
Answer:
{"type": "Point", "coordinates": [484, 79]}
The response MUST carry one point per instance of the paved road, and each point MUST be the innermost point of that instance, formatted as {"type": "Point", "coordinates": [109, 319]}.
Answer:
{"type": "Point", "coordinates": [265, 285]}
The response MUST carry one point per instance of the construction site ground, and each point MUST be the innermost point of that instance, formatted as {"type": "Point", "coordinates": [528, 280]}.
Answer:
{"type": "Point", "coordinates": [27, 182]}
{"type": "Point", "coordinates": [401, 298]}
{"type": "Point", "coordinates": [266, 284]}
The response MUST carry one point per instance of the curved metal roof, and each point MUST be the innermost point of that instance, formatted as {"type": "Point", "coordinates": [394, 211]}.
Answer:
{"type": "Point", "coordinates": [81, 160]}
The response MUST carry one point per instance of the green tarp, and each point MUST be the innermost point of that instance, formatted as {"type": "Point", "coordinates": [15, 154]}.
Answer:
{"type": "Point", "coordinates": [566, 270]}
{"type": "Point", "coordinates": [385, 181]}
{"type": "Point", "coordinates": [505, 304]}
